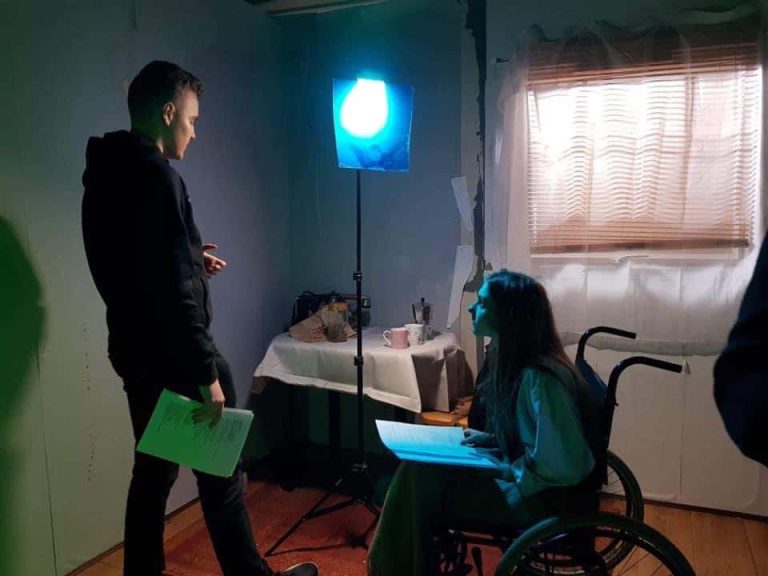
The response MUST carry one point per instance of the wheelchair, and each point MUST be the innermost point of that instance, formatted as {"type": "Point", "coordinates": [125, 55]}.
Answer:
{"type": "Point", "coordinates": [608, 537]}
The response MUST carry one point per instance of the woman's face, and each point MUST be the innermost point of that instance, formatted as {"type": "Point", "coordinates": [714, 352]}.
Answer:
{"type": "Point", "coordinates": [484, 317]}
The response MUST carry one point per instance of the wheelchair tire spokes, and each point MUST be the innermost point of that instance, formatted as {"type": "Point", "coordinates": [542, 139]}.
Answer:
{"type": "Point", "coordinates": [576, 548]}
{"type": "Point", "coordinates": [621, 494]}
{"type": "Point", "coordinates": [543, 560]}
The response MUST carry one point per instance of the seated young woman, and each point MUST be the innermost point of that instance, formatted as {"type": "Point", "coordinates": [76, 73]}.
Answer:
{"type": "Point", "coordinates": [540, 422]}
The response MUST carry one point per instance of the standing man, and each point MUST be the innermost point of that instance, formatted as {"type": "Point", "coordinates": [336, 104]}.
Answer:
{"type": "Point", "coordinates": [151, 269]}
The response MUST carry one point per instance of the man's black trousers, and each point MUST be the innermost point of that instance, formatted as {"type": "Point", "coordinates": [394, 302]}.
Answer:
{"type": "Point", "coordinates": [222, 499]}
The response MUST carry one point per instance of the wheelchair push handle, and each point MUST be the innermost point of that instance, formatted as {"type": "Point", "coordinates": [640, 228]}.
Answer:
{"type": "Point", "coordinates": [598, 330]}
{"type": "Point", "coordinates": [634, 360]}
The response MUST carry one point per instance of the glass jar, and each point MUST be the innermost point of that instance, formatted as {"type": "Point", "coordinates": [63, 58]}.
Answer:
{"type": "Point", "coordinates": [336, 324]}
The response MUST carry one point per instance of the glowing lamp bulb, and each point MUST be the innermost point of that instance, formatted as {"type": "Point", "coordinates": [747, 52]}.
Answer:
{"type": "Point", "coordinates": [365, 110]}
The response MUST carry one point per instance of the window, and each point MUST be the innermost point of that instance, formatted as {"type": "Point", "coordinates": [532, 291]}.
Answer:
{"type": "Point", "coordinates": [652, 146]}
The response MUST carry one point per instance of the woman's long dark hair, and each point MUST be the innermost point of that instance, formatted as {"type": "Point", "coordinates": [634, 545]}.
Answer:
{"type": "Point", "coordinates": [527, 337]}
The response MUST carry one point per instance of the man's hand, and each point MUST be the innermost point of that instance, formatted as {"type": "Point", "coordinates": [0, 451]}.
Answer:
{"type": "Point", "coordinates": [214, 404]}
{"type": "Point", "coordinates": [480, 439]}
{"type": "Point", "coordinates": [211, 263]}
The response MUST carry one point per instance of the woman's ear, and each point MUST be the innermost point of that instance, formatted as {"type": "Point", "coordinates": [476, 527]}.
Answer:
{"type": "Point", "coordinates": [169, 110]}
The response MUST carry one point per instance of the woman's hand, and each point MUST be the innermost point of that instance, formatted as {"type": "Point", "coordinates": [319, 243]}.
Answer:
{"type": "Point", "coordinates": [500, 469]}
{"type": "Point", "coordinates": [478, 439]}
{"type": "Point", "coordinates": [486, 445]}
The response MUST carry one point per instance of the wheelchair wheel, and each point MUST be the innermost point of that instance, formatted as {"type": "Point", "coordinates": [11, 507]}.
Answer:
{"type": "Point", "coordinates": [621, 493]}
{"type": "Point", "coordinates": [575, 547]}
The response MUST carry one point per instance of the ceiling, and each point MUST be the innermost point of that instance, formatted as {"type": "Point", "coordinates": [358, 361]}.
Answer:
{"type": "Point", "coordinates": [292, 7]}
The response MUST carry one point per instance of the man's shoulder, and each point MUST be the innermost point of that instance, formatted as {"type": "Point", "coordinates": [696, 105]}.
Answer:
{"type": "Point", "coordinates": [157, 172]}
{"type": "Point", "coordinates": [157, 166]}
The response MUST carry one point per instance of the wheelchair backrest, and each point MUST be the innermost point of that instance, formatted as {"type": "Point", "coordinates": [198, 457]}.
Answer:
{"type": "Point", "coordinates": [605, 394]}
{"type": "Point", "coordinates": [602, 393]}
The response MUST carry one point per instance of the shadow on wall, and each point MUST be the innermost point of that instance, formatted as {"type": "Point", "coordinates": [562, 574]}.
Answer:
{"type": "Point", "coordinates": [21, 331]}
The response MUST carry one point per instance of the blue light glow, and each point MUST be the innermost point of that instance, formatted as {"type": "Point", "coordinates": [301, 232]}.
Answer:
{"type": "Point", "coordinates": [365, 110]}
{"type": "Point", "coordinates": [372, 124]}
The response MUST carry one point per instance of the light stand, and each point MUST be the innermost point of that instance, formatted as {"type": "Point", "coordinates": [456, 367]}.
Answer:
{"type": "Point", "coordinates": [358, 475]}
{"type": "Point", "coordinates": [384, 148]}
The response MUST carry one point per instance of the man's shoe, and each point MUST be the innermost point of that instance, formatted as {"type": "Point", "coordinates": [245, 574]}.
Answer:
{"type": "Point", "coordinates": [303, 569]}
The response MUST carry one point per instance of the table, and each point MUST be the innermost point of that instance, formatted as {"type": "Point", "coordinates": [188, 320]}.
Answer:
{"type": "Point", "coordinates": [429, 376]}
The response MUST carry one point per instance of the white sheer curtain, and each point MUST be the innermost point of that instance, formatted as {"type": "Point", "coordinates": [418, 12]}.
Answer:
{"type": "Point", "coordinates": [678, 303]}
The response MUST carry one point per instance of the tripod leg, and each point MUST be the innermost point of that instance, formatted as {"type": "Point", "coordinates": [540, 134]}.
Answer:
{"type": "Point", "coordinates": [317, 510]}
{"type": "Point", "coordinates": [361, 541]}
{"type": "Point", "coordinates": [373, 509]}
{"type": "Point", "coordinates": [299, 522]}
{"type": "Point", "coordinates": [371, 526]}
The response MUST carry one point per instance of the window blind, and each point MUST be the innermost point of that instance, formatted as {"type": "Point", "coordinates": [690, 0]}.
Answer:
{"type": "Point", "coordinates": [652, 145]}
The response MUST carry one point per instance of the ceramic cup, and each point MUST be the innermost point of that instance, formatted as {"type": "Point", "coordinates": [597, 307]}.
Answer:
{"type": "Point", "coordinates": [396, 338]}
{"type": "Point", "coordinates": [416, 334]}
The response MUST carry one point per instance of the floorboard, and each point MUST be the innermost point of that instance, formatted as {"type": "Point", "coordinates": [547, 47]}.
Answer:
{"type": "Point", "coordinates": [715, 544]}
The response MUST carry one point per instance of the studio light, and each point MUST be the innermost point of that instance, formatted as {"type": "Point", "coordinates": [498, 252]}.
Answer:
{"type": "Point", "coordinates": [372, 124]}
{"type": "Point", "coordinates": [365, 110]}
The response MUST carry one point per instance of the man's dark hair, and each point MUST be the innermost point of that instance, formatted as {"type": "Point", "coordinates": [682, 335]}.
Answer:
{"type": "Point", "coordinates": [156, 84]}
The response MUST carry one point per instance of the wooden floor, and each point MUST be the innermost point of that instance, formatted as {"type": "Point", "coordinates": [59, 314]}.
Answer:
{"type": "Point", "coordinates": [715, 544]}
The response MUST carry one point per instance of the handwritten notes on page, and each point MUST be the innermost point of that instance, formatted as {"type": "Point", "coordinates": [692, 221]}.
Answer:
{"type": "Point", "coordinates": [172, 435]}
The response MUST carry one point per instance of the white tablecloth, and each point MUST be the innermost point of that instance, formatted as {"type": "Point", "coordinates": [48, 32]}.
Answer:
{"type": "Point", "coordinates": [424, 377]}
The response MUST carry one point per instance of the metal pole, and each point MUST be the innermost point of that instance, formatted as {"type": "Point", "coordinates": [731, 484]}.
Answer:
{"type": "Point", "coordinates": [359, 357]}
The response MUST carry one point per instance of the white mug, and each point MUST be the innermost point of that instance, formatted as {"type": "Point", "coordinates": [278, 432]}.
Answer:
{"type": "Point", "coordinates": [396, 338]}
{"type": "Point", "coordinates": [416, 334]}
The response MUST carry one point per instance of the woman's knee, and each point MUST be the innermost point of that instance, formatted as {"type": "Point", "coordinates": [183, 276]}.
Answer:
{"type": "Point", "coordinates": [422, 472]}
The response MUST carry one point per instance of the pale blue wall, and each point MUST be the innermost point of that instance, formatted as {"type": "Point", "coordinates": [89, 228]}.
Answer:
{"type": "Point", "coordinates": [410, 221]}
{"type": "Point", "coordinates": [64, 64]}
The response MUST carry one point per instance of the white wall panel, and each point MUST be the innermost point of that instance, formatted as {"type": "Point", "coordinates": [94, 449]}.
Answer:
{"type": "Point", "coordinates": [667, 429]}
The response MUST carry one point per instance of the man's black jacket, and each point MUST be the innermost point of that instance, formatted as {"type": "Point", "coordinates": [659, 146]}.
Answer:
{"type": "Point", "coordinates": [145, 255]}
{"type": "Point", "coordinates": [741, 371]}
